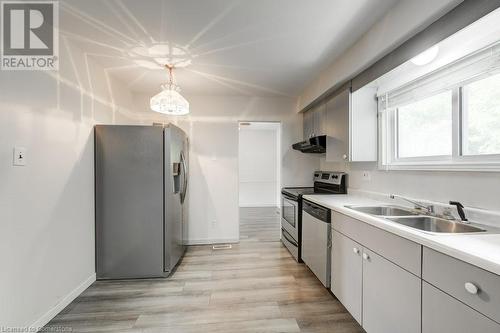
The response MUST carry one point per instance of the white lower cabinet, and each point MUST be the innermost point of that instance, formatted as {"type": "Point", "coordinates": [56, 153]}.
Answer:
{"type": "Point", "coordinates": [380, 295]}
{"type": "Point", "coordinates": [347, 268]}
{"type": "Point", "coordinates": [391, 297]}
{"type": "Point", "coordinates": [442, 313]}
{"type": "Point", "coordinates": [445, 296]}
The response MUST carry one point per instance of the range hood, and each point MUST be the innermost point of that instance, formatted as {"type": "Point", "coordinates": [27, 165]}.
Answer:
{"type": "Point", "coordinates": [314, 145]}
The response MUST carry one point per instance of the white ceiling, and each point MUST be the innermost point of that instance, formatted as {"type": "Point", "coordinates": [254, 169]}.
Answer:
{"type": "Point", "coordinates": [263, 47]}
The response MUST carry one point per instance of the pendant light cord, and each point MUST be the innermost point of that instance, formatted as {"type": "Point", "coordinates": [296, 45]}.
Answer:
{"type": "Point", "coordinates": [171, 75]}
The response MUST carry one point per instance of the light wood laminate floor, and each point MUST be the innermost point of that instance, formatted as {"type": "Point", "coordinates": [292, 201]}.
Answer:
{"type": "Point", "coordinates": [255, 286]}
{"type": "Point", "coordinates": [260, 224]}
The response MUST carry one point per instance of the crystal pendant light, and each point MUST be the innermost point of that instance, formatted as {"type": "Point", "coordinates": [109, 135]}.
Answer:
{"type": "Point", "coordinates": [169, 101]}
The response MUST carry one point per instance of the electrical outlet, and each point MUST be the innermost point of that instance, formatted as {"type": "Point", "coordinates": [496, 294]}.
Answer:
{"type": "Point", "coordinates": [19, 156]}
{"type": "Point", "coordinates": [367, 176]}
{"type": "Point", "coordinates": [214, 223]}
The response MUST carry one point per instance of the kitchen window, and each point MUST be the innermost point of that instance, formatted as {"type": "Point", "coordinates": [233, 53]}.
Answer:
{"type": "Point", "coordinates": [481, 117]}
{"type": "Point", "coordinates": [448, 119]}
{"type": "Point", "coordinates": [425, 126]}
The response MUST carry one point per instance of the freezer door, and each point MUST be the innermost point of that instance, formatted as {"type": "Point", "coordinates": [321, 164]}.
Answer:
{"type": "Point", "coordinates": [175, 186]}
{"type": "Point", "coordinates": [129, 201]}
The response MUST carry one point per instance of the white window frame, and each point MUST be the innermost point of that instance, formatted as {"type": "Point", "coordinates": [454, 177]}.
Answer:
{"type": "Point", "coordinates": [388, 145]}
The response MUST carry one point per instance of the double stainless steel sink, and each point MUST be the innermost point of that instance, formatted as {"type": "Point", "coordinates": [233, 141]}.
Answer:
{"type": "Point", "coordinates": [413, 219]}
{"type": "Point", "coordinates": [383, 210]}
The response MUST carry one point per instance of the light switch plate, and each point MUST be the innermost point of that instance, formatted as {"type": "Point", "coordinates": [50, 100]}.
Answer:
{"type": "Point", "coordinates": [19, 156]}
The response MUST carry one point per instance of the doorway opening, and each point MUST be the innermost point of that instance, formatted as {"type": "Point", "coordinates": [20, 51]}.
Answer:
{"type": "Point", "coordinates": [259, 160]}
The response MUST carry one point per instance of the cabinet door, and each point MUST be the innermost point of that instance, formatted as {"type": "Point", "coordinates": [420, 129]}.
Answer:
{"type": "Point", "coordinates": [308, 124]}
{"type": "Point", "coordinates": [319, 120]}
{"type": "Point", "coordinates": [442, 313]}
{"type": "Point", "coordinates": [363, 125]}
{"type": "Point", "coordinates": [347, 273]}
{"type": "Point", "coordinates": [391, 297]}
{"type": "Point", "coordinates": [337, 127]}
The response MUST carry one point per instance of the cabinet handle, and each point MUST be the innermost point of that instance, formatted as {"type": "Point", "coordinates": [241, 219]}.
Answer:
{"type": "Point", "coordinates": [366, 256]}
{"type": "Point", "coordinates": [355, 250]}
{"type": "Point", "coordinates": [471, 288]}
{"type": "Point", "coordinates": [344, 157]}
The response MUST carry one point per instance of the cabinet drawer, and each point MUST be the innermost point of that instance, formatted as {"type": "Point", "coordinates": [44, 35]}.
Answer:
{"type": "Point", "coordinates": [451, 275]}
{"type": "Point", "coordinates": [441, 313]}
{"type": "Point", "coordinates": [399, 250]}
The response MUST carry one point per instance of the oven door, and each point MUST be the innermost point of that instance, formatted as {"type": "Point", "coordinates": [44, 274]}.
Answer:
{"type": "Point", "coordinates": [290, 215]}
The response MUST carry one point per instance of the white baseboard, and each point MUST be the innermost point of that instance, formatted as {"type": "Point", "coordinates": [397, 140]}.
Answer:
{"type": "Point", "coordinates": [211, 241]}
{"type": "Point", "coordinates": [64, 302]}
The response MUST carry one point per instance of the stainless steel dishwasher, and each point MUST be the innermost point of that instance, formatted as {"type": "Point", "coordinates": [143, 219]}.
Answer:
{"type": "Point", "coordinates": [316, 240]}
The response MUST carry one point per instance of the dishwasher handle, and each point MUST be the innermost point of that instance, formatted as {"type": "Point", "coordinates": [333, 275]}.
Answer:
{"type": "Point", "coordinates": [317, 211]}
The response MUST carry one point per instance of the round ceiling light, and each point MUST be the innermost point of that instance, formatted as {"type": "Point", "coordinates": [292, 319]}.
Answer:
{"type": "Point", "coordinates": [426, 57]}
{"type": "Point", "coordinates": [157, 55]}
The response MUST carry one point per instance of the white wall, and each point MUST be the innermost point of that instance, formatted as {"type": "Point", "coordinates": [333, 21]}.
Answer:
{"type": "Point", "coordinates": [258, 166]}
{"type": "Point", "coordinates": [212, 127]}
{"type": "Point", "coordinates": [404, 20]}
{"type": "Point", "coordinates": [473, 189]}
{"type": "Point", "coordinates": [47, 206]}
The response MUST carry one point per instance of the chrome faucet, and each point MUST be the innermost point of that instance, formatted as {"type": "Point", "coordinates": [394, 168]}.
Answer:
{"type": "Point", "coordinates": [429, 209]}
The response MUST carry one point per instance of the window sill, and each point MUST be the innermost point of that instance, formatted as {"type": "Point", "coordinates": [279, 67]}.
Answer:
{"type": "Point", "coordinates": [436, 166]}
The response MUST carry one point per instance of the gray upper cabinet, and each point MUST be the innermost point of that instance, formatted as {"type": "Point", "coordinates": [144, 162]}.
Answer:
{"type": "Point", "coordinates": [351, 126]}
{"type": "Point", "coordinates": [308, 124]}
{"type": "Point", "coordinates": [337, 127]}
{"type": "Point", "coordinates": [349, 120]}
{"type": "Point", "coordinates": [319, 120]}
{"type": "Point", "coordinates": [314, 121]}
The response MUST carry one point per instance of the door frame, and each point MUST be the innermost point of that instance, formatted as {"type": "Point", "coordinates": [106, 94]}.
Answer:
{"type": "Point", "coordinates": [279, 151]}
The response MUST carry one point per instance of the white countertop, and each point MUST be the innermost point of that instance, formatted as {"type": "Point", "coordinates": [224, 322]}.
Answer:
{"type": "Point", "coordinates": [480, 249]}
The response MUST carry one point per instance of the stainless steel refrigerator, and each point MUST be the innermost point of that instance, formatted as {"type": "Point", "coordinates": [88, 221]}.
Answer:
{"type": "Point", "coordinates": [141, 179]}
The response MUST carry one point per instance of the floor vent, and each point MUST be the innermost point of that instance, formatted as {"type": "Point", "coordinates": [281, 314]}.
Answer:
{"type": "Point", "coordinates": [222, 247]}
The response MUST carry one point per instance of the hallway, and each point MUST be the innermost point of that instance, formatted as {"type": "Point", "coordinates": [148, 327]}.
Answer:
{"type": "Point", "coordinates": [255, 286]}
{"type": "Point", "coordinates": [260, 224]}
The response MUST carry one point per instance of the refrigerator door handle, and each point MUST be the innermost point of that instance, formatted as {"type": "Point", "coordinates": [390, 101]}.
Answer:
{"type": "Point", "coordinates": [184, 171]}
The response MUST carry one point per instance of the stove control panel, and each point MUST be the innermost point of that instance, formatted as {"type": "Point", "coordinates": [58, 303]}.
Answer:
{"type": "Point", "coordinates": [330, 177]}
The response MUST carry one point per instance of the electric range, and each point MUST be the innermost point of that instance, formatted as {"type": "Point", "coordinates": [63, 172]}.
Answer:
{"type": "Point", "coordinates": [325, 182]}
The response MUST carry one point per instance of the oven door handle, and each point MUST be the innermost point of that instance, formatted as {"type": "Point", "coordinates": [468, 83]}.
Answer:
{"type": "Point", "coordinates": [289, 238]}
